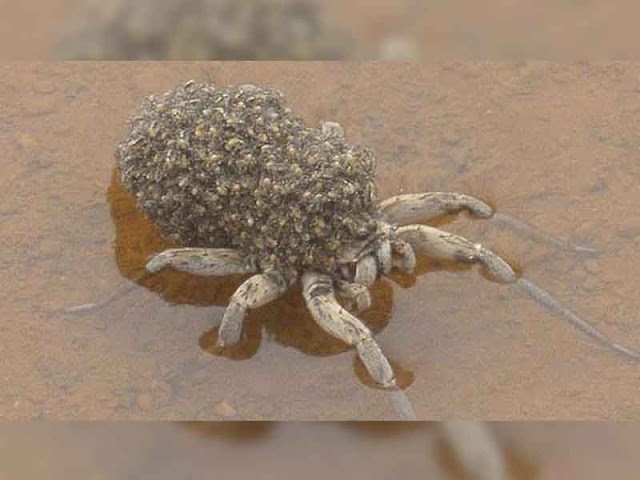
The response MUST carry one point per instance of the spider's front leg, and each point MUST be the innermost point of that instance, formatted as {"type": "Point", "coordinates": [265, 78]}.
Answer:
{"type": "Point", "coordinates": [379, 261]}
{"type": "Point", "coordinates": [319, 295]}
{"type": "Point", "coordinates": [253, 293]}
{"type": "Point", "coordinates": [318, 292]}
{"type": "Point", "coordinates": [447, 246]}
{"type": "Point", "coordinates": [419, 207]}
{"type": "Point", "coordinates": [202, 261]}
{"type": "Point", "coordinates": [366, 271]}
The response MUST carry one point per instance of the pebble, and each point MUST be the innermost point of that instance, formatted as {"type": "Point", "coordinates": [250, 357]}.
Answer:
{"type": "Point", "coordinates": [224, 409]}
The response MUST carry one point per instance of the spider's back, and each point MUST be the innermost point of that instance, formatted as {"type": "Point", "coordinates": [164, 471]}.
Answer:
{"type": "Point", "coordinates": [234, 167]}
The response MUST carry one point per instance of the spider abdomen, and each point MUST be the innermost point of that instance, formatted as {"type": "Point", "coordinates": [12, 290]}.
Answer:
{"type": "Point", "coordinates": [234, 167]}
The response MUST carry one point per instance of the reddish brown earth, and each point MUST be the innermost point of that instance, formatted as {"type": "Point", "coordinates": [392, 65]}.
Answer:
{"type": "Point", "coordinates": [555, 145]}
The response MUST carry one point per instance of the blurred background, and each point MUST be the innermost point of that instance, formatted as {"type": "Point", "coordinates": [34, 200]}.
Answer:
{"type": "Point", "coordinates": [311, 30]}
{"type": "Point", "coordinates": [96, 451]}
{"type": "Point", "coordinates": [315, 29]}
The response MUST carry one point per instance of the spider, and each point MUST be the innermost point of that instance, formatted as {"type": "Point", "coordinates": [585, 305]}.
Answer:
{"type": "Point", "coordinates": [246, 187]}
{"type": "Point", "coordinates": [251, 190]}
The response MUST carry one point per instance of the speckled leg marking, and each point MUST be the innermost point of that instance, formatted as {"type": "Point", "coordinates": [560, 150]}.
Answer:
{"type": "Point", "coordinates": [253, 293]}
{"type": "Point", "coordinates": [202, 261]}
{"type": "Point", "coordinates": [417, 207]}
{"type": "Point", "coordinates": [383, 256]}
{"type": "Point", "coordinates": [447, 246]}
{"type": "Point", "coordinates": [366, 270]}
{"type": "Point", "coordinates": [475, 449]}
{"type": "Point", "coordinates": [335, 320]}
{"type": "Point", "coordinates": [358, 295]}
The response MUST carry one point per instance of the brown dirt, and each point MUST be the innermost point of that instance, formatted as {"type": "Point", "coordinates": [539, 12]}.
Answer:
{"type": "Point", "coordinates": [555, 145]}
{"type": "Point", "coordinates": [97, 451]}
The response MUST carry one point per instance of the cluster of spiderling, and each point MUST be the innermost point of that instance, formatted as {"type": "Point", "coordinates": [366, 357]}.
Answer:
{"type": "Point", "coordinates": [234, 167]}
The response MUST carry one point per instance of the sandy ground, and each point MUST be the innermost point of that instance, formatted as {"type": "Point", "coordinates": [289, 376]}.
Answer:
{"type": "Point", "coordinates": [555, 145]}
{"type": "Point", "coordinates": [497, 29]}
{"type": "Point", "coordinates": [157, 451]}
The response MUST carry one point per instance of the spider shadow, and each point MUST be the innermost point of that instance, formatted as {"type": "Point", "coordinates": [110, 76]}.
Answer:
{"type": "Point", "coordinates": [286, 320]}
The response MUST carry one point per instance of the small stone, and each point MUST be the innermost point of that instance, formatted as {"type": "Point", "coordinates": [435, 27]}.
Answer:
{"type": "Point", "coordinates": [223, 409]}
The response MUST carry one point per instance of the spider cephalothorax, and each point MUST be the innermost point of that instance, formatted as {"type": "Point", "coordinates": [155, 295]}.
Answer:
{"type": "Point", "coordinates": [248, 188]}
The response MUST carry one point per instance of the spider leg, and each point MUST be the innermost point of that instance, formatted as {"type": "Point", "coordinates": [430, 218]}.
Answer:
{"type": "Point", "coordinates": [366, 270]}
{"type": "Point", "coordinates": [547, 300]}
{"type": "Point", "coordinates": [447, 246]}
{"type": "Point", "coordinates": [539, 235]}
{"type": "Point", "coordinates": [475, 448]}
{"type": "Point", "coordinates": [420, 207]}
{"type": "Point", "coordinates": [318, 293]}
{"type": "Point", "coordinates": [383, 256]}
{"type": "Point", "coordinates": [256, 291]}
{"type": "Point", "coordinates": [416, 207]}
{"type": "Point", "coordinates": [390, 253]}
{"type": "Point", "coordinates": [356, 293]}
{"type": "Point", "coordinates": [405, 258]}
{"type": "Point", "coordinates": [202, 261]}
{"type": "Point", "coordinates": [444, 245]}
{"type": "Point", "coordinates": [124, 288]}
{"type": "Point", "coordinates": [197, 261]}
